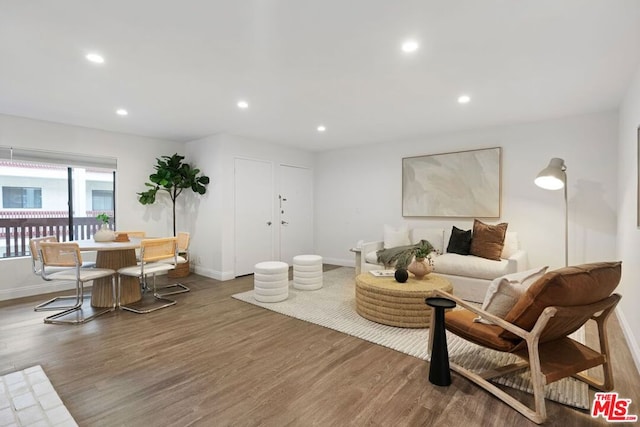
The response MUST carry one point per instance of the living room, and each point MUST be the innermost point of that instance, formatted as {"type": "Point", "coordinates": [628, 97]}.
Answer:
{"type": "Point", "coordinates": [358, 188]}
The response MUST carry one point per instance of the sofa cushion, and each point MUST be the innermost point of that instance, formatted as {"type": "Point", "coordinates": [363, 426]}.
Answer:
{"type": "Point", "coordinates": [394, 237]}
{"type": "Point", "coordinates": [511, 245]}
{"type": "Point", "coordinates": [488, 240]}
{"type": "Point", "coordinates": [459, 242]}
{"type": "Point", "coordinates": [435, 236]}
{"type": "Point", "coordinates": [505, 291]}
{"type": "Point", "coordinates": [470, 266]}
{"type": "Point", "coordinates": [371, 257]}
{"type": "Point", "coordinates": [569, 286]}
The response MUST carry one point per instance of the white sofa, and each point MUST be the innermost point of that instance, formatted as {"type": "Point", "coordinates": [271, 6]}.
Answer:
{"type": "Point", "coordinates": [470, 275]}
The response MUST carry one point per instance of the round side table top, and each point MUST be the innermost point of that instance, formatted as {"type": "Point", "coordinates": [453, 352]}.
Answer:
{"type": "Point", "coordinates": [439, 302]}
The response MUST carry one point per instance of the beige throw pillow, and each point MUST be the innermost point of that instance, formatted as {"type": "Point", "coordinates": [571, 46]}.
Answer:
{"type": "Point", "coordinates": [394, 237]}
{"type": "Point", "coordinates": [505, 291]}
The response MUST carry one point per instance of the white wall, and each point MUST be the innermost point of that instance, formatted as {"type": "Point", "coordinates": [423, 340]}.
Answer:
{"type": "Point", "coordinates": [135, 156]}
{"type": "Point", "coordinates": [359, 189]}
{"type": "Point", "coordinates": [628, 232]}
{"type": "Point", "coordinates": [213, 241]}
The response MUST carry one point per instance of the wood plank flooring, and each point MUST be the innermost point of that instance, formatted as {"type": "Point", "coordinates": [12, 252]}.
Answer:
{"type": "Point", "coordinates": [211, 360]}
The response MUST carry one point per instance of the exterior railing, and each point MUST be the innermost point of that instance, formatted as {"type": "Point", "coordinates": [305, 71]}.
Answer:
{"type": "Point", "coordinates": [16, 232]}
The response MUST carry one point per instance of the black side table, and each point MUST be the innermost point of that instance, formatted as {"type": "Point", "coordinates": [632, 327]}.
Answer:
{"type": "Point", "coordinates": [439, 373]}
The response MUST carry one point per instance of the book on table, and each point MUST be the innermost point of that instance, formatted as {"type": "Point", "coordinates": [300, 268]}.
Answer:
{"type": "Point", "coordinates": [383, 273]}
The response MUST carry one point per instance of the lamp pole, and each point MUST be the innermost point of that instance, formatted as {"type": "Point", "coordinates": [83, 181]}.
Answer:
{"type": "Point", "coordinates": [566, 225]}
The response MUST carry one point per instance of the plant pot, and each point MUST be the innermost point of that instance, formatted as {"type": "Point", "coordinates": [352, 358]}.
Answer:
{"type": "Point", "coordinates": [420, 267]}
{"type": "Point", "coordinates": [104, 234]}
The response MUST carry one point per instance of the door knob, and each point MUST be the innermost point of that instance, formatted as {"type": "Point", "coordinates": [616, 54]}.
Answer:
{"type": "Point", "coordinates": [268, 222]}
{"type": "Point", "coordinates": [284, 223]}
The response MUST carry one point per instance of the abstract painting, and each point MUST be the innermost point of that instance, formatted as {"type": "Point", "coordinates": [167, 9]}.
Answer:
{"type": "Point", "coordinates": [463, 184]}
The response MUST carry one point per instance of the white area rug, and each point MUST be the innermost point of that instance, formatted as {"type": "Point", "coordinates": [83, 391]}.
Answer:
{"type": "Point", "coordinates": [27, 398]}
{"type": "Point", "coordinates": [333, 306]}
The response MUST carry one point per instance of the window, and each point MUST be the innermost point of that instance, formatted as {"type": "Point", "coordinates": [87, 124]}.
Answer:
{"type": "Point", "coordinates": [102, 200]}
{"type": "Point", "coordinates": [21, 198]}
{"type": "Point", "coordinates": [52, 193]}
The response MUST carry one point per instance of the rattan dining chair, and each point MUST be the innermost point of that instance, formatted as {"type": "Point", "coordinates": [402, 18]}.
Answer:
{"type": "Point", "coordinates": [63, 302]}
{"type": "Point", "coordinates": [67, 255]}
{"type": "Point", "coordinates": [156, 256]}
{"type": "Point", "coordinates": [182, 258]}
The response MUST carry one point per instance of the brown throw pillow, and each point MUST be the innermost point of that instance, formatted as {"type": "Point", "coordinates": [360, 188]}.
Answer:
{"type": "Point", "coordinates": [488, 240]}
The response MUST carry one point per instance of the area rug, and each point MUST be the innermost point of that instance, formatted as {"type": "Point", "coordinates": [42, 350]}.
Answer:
{"type": "Point", "coordinates": [333, 306]}
{"type": "Point", "coordinates": [27, 398]}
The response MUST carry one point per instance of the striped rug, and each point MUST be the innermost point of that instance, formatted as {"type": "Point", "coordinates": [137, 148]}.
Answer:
{"type": "Point", "coordinates": [333, 306]}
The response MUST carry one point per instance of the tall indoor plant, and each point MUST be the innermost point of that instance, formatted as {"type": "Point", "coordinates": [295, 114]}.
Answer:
{"type": "Point", "coordinates": [173, 176]}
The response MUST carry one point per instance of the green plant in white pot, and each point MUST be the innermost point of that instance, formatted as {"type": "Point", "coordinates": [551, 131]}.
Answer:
{"type": "Point", "coordinates": [104, 234]}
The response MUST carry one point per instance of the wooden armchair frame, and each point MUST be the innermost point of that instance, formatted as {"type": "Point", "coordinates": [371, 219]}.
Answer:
{"type": "Point", "coordinates": [546, 351]}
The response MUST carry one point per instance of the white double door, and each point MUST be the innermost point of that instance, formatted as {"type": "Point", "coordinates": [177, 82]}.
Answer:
{"type": "Point", "coordinates": [273, 213]}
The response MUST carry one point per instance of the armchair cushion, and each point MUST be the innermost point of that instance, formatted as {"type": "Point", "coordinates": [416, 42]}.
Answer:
{"type": "Point", "coordinates": [461, 322]}
{"type": "Point", "coordinates": [488, 240]}
{"type": "Point", "coordinates": [504, 292]}
{"type": "Point", "coordinates": [569, 286]}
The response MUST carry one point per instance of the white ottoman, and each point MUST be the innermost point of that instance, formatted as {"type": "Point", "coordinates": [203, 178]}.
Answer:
{"type": "Point", "coordinates": [307, 272]}
{"type": "Point", "coordinates": [271, 281]}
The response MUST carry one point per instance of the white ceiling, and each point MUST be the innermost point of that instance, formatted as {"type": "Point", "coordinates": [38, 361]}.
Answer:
{"type": "Point", "coordinates": [179, 67]}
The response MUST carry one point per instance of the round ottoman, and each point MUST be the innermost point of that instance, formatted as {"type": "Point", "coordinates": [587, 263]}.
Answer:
{"type": "Point", "coordinates": [383, 300]}
{"type": "Point", "coordinates": [307, 272]}
{"type": "Point", "coordinates": [271, 281]}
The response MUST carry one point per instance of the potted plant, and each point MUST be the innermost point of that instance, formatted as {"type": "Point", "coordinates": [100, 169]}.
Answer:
{"type": "Point", "coordinates": [104, 234]}
{"type": "Point", "coordinates": [422, 264]}
{"type": "Point", "coordinates": [172, 177]}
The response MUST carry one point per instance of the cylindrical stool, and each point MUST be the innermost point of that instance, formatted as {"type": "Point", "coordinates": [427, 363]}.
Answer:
{"type": "Point", "coordinates": [307, 272]}
{"type": "Point", "coordinates": [271, 281]}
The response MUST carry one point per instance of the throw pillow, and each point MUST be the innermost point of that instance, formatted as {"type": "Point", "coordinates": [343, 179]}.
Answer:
{"type": "Point", "coordinates": [510, 245]}
{"type": "Point", "coordinates": [459, 242]}
{"type": "Point", "coordinates": [394, 237]}
{"type": "Point", "coordinates": [487, 240]}
{"type": "Point", "coordinates": [504, 292]}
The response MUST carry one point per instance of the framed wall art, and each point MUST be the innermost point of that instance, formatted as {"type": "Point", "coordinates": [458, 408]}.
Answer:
{"type": "Point", "coordinates": [463, 184]}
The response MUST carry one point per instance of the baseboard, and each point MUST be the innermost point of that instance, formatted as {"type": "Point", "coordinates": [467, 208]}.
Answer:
{"type": "Point", "coordinates": [628, 335]}
{"type": "Point", "coordinates": [339, 261]}
{"type": "Point", "coordinates": [214, 274]}
{"type": "Point", "coordinates": [39, 289]}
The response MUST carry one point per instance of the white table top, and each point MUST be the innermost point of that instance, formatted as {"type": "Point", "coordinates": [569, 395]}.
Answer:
{"type": "Point", "coordinates": [92, 245]}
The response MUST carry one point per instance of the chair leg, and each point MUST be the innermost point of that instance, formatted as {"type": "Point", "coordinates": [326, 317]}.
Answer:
{"type": "Point", "coordinates": [142, 306]}
{"type": "Point", "coordinates": [180, 289]}
{"type": "Point", "coordinates": [51, 304]}
{"type": "Point", "coordinates": [80, 314]}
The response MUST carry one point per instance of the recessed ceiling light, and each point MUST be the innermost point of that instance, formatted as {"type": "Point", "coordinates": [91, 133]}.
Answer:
{"type": "Point", "coordinates": [243, 105]}
{"type": "Point", "coordinates": [464, 99]}
{"type": "Point", "coordinates": [409, 46]}
{"type": "Point", "coordinates": [321, 128]}
{"type": "Point", "coordinates": [122, 112]}
{"type": "Point", "coordinates": [95, 58]}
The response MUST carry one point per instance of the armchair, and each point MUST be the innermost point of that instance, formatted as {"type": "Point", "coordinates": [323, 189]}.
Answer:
{"type": "Point", "coordinates": [537, 328]}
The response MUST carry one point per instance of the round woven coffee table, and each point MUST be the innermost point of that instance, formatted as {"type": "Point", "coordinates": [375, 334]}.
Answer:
{"type": "Point", "coordinates": [383, 300]}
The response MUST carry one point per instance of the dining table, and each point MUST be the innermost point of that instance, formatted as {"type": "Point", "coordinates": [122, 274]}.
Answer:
{"type": "Point", "coordinates": [113, 255]}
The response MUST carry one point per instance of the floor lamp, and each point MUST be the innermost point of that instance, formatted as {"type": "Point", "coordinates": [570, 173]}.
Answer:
{"type": "Point", "coordinates": [554, 177]}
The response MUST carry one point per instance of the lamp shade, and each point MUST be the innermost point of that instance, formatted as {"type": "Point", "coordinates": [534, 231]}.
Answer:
{"type": "Point", "coordinates": [553, 177]}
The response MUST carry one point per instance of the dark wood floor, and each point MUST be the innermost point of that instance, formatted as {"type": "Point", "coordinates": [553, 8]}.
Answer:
{"type": "Point", "coordinates": [211, 360]}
